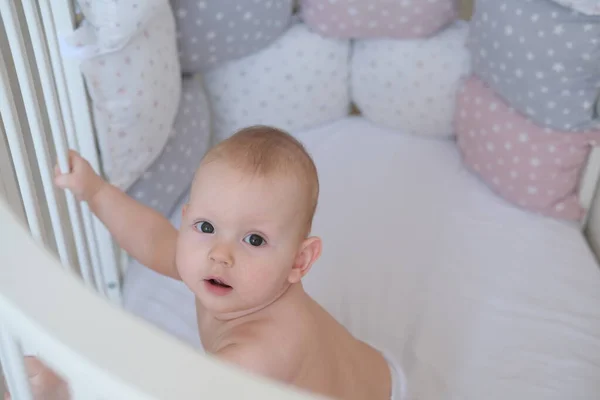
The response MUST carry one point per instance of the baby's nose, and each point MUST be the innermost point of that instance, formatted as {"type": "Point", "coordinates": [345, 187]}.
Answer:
{"type": "Point", "coordinates": [221, 254]}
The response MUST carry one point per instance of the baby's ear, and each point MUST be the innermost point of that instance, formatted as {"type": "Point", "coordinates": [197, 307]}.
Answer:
{"type": "Point", "coordinates": [310, 251]}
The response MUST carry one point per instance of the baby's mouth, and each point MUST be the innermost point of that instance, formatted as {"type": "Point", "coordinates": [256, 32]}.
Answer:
{"type": "Point", "coordinates": [218, 283]}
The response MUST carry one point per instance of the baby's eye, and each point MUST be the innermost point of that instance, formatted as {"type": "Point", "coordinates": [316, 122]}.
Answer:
{"type": "Point", "coordinates": [204, 227]}
{"type": "Point", "coordinates": [254, 240]}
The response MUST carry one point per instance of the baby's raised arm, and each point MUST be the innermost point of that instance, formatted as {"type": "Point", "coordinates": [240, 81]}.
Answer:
{"type": "Point", "coordinates": [143, 232]}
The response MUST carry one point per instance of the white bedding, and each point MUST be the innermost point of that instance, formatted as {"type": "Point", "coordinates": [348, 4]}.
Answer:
{"type": "Point", "coordinates": [477, 299]}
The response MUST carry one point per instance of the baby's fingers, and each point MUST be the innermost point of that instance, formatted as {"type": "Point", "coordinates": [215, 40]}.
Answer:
{"type": "Point", "coordinates": [75, 158]}
{"type": "Point", "coordinates": [33, 366]}
{"type": "Point", "coordinates": [63, 181]}
{"type": "Point", "coordinates": [6, 394]}
{"type": "Point", "coordinates": [72, 159]}
{"type": "Point", "coordinates": [57, 171]}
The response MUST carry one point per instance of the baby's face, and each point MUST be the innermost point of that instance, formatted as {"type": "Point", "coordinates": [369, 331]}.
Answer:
{"type": "Point", "coordinates": [239, 238]}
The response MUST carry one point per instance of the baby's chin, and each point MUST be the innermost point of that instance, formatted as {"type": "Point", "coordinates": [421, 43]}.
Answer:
{"type": "Point", "coordinates": [216, 299]}
{"type": "Point", "coordinates": [229, 306]}
{"type": "Point", "coordinates": [224, 309]}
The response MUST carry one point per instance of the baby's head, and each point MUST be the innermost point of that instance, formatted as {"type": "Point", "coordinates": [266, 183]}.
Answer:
{"type": "Point", "coordinates": [244, 236]}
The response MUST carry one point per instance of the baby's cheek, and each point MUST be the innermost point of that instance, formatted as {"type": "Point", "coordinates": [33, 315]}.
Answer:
{"type": "Point", "coordinates": [264, 280]}
{"type": "Point", "coordinates": [187, 274]}
{"type": "Point", "coordinates": [258, 279]}
{"type": "Point", "coordinates": [189, 265]}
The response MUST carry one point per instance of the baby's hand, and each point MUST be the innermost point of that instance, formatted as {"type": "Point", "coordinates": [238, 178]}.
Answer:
{"type": "Point", "coordinates": [45, 384]}
{"type": "Point", "coordinates": [81, 180]}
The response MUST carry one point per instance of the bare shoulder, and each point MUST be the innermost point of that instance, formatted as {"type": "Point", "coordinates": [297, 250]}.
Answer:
{"type": "Point", "coordinates": [262, 347]}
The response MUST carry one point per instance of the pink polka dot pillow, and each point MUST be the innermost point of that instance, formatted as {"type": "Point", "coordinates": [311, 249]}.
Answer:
{"type": "Point", "coordinates": [378, 18]}
{"type": "Point", "coordinates": [536, 168]}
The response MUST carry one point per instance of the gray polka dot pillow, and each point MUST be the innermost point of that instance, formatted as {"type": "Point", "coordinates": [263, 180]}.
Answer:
{"type": "Point", "coordinates": [168, 178]}
{"type": "Point", "coordinates": [211, 32]}
{"type": "Point", "coordinates": [542, 58]}
{"type": "Point", "coordinates": [299, 81]}
{"type": "Point", "coordinates": [411, 85]}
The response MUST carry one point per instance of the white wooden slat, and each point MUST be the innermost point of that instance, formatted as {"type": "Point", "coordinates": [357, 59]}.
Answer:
{"type": "Point", "coordinates": [66, 108]}
{"type": "Point", "coordinates": [63, 17]}
{"type": "Point", "coordinates": [94, 342]}
{"type": "Point", "coordinates": [21, 60]}
{"type": "Point", "coordinates": [9, 187]}
{"type": "Point", "coordinates": [14, 137]}
{"type": "Point", "coordinates": [589, 183]}
{"type": "Point", "coordinates": [14, 367]}
{"type": "Point", "coordinates": [38, 41]}
{"type": "Point", "coordinates": [90, 233]}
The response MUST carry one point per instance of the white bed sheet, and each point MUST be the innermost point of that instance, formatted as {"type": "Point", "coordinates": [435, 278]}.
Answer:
{"type": "Point", "coordinates": [477, 299]}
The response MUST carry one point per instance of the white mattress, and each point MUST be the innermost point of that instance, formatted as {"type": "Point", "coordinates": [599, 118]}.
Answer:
{"type": "Point", "coordinates": [477, 299]}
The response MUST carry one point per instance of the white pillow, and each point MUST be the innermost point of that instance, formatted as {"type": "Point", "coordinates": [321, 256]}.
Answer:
{"type": "Point", "coordinates": [116, 22]}
{"type": "Point", "coordinates": [299, 81]}
{"type": "Point", "coordinates": [589, 7]}
{"type": "Point", "coordinates": [411, 84]}
{"type": "Point", "coordinates": [135, 93]}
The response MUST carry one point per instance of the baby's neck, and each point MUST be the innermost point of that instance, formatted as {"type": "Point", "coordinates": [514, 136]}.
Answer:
{"type": "Point", "coordinates": [288, 292]}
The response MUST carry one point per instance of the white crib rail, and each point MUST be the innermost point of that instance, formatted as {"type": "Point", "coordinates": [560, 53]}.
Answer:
{"type": "Point", "coordinates": [81, 241]}
{"type": "Point", "coordinates": [67, 116]}
{"type": "Point", "coordinates": [101, 350]}
{"type": "Point", "coordinates": [11, 355]}
{"type": "Point", "coordinates": [78, 116]}
{"type": "Point", "coordinates": [34, 117]}
{"type": "Point", "coordinates": [16, 145]}
{"type": "Point", "coordinates": [58, 131]}
{"type": "Point", "coordinates": [588, 187]}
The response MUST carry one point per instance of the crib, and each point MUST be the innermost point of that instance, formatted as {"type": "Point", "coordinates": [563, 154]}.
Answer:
{"type": "Point", "coordinates": [76, 314]}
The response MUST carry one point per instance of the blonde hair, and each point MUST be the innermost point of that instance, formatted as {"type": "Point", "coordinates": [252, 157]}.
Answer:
{"type": "Point", "coordinates": [267, 151]}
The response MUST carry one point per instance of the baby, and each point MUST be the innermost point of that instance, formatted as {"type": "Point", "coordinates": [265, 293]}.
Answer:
{"type": "Point", "coordinates": [242, 249]}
